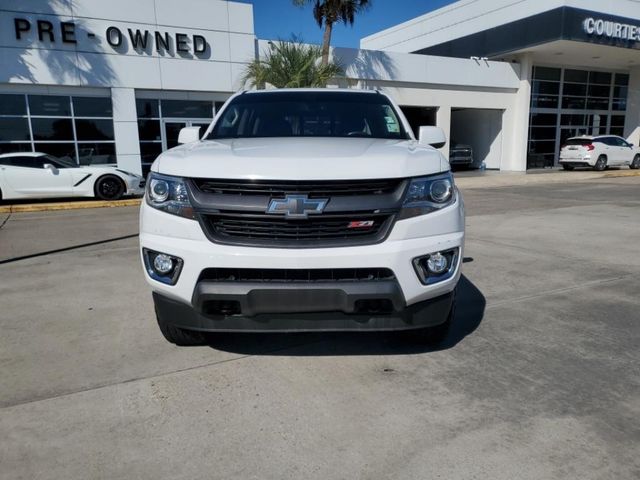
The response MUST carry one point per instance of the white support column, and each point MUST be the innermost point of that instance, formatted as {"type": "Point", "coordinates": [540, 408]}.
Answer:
{"type": "Point", "coordinates": [632, 121]}
{"type": "Point", "coordinates": [515, 159]}
{"type": "Point", "coordinates": [125, 126]}
{"type": "Point", "coordinates": [443, 120]}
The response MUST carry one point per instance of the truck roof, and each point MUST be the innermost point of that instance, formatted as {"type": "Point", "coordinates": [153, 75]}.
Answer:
{"type": "Point", "coordinates": [328, 90]}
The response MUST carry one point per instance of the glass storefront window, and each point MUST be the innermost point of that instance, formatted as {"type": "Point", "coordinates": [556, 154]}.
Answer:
{"type": "Point", "coordinates": [546, 73]}
{"type": "Point", "coordinates": [544, 119]}
{"type": "Point", "coordinates": [14, 129]}
{"type": "Point", "coordinates": [619, 104]}
{"type": "Point", "coordinates": [160, 120]}
{"type": "Point", "coordinates": [49, 105]}
{"type": "Point", "coordinates": [597, 103]}
{"type": "Point", "coordinates": [52, 129]}
{"type": "Point", "coordinates": [585, 103]}
{"type": "Point", "coordinates": [96, 153]}
{"type": "Point", "coordinates": [13, 105]}
{"type": "Point", "coordinates": [576, 76]}
{"type": "Point", "coordinates": [602, 91]}
{"type": "Point", "coordinates": [14, 147]}
{"type": "Point", "coordinates": [575, 103]}
{"type": "Point", "coordinates": [547, 88]}
{"type": "Point", "coordinates": [147, 108]}
{"type": "Point", "coordinates": [622, 79]}
{"type": "Point", "coordinates": [601, 78]}
{"type": "Point", "coordinates": [570, 120]}
{"type": "Point", "coordinates": [150, 150]}
{"type": "Point", "coordinates": [543, 133]}
{"type": "Point", "coordinates": [94, 129]}
{"type": "Point", "coordinates": [149, 130]}
{"type": "Point", "coordinates": [544, 101]}
{"type": "Point", "coordinates": [575, 89]}
{"type": "Point", "coordinates": [66, 151]}
{"type": "Point", "coordinates": [92, 107]}
{"type": "Point", "coordinates": [54, 124]}
{"type": "Point", "coordinates": [186, 109]}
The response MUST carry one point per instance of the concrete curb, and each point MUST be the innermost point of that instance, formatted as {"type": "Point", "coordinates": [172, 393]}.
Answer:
{"type": "Point", "coordinates": [506, 179]}
{"type": "Point", "coordinates": [49, 207]}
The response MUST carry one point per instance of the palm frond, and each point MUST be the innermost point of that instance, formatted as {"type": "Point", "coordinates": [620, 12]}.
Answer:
{"type": "Point", "coordinates": [290, 64]}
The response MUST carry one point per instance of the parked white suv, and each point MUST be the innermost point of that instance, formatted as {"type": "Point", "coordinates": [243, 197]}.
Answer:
{"type": "Point", "coordinates": [599, 153]}
{"type": "Point", "coordinates": [303, 210]}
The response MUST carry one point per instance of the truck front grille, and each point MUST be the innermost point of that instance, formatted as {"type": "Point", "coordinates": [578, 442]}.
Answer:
{"type": "Point", "coordinates": [313, 189]}
{"type": "Point", "coordinates": [324, 230]}
{"type": "Point", "coordinates": [303, 275]}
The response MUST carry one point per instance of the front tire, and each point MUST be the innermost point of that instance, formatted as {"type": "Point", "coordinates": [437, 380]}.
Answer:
{"type": "Point", "coordinates": [601, 164]}
{"type": "Point", "coordinates": [568, 167]}
{"type": "Point", "coordinates": [635, 164]}
{"type": "Point", "coordinates": [109, 187]}
{"type": "Point", "coordinates": [180, 336]}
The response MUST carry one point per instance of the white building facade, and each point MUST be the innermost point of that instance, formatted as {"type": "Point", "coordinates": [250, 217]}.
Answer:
{"type": "Point", "coordinates": [113, 82]}
{"type": "Point", "coordinates": [579, 62]}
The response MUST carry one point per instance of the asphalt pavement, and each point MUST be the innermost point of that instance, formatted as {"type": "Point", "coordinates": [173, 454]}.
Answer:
{"type": "Point", "coordinates": [539, 379]}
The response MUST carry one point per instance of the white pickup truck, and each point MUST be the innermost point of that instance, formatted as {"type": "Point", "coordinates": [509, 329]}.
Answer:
{"type": "Point", "coordinates": [303, 210]}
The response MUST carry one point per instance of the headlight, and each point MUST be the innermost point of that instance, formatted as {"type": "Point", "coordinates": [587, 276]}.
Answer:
{"type": "Point", "coordinates": [169, 194]}
{"type": "Point", "coordinates": [428, 194]}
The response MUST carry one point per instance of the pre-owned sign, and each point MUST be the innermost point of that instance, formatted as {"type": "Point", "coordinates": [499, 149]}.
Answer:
{"type": "Point", "coordinates": [607, 28]}
{"type": "Point", "coordinates": [141, 40]}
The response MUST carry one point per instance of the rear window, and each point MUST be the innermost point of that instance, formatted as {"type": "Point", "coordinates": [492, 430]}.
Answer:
{"type": "Point", "coordinates": [578, 141]}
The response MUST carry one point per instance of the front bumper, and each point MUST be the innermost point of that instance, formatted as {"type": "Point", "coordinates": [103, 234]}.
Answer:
{"type": "Point", "coordinates": [428, 313]}
{"type": "Point", "coordinates": [136, 187]}
{"type": "Point", "coordinates": [279, 306]}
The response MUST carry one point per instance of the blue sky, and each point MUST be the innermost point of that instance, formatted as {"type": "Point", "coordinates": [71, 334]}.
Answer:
{"type": "Point", "coordinates": [279, 19]}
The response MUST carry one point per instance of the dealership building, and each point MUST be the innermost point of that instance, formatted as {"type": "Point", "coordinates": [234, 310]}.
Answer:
{"type": "Point", "coordinates": [114, 82]}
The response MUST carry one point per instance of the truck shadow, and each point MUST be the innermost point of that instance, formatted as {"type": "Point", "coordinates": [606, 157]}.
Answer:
{"type": "Point", "coordinates": [469, 314]}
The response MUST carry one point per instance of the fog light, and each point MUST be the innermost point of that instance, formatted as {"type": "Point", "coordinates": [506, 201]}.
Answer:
{"type": "Point", "coordinates": [163, 263]}
{"type": "Point", "coordinates": [437, 263]}
{"type": "Point", "coordinates": [436, 267]}
{"type": "Point", "coordinates": [162, 267]}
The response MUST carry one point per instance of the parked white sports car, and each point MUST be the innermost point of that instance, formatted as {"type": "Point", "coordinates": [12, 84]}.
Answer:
{"type": "Point", "coordinates": [38, 175]}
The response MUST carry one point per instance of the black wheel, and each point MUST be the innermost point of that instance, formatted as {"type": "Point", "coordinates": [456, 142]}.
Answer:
{"type": "Point", "coordinates": [601, 164]}
{"type": "Point", "coordinates": [434, 335]}
{"type": "Point", "coordinates": [179, 336]}
{"type": "Point", "coordinates": [109, 187]}
{"type": "Point", "coordinates": [568, 167]}
{"type": "Point", "coordinates": [635, 164]}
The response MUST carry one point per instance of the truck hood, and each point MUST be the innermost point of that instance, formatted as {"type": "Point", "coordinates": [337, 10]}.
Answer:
{"type": "Point", "coordinates": [301, 159]}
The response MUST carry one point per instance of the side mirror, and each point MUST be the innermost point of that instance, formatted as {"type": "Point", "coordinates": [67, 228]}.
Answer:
{"type": "Point", "coordinates": [51, 168]}
{"type": "Point", "coordinates": [189, 134]}
{"type": "Point", "coordinates": [433, 136]}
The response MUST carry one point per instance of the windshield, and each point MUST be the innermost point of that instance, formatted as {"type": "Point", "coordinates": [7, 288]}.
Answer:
{"type": "Point", "coordinates": [60, 162]}
{"type": "Point", "coordinates": [309, 114]}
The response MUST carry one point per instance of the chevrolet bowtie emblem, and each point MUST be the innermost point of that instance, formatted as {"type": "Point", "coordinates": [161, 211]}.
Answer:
{"type": "Point", "coordinates": [297, 206]}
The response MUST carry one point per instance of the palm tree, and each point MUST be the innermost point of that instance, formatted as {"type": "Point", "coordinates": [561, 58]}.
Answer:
{"type": "Point", "coordinates": [328, 12]}
{"type": "Point", "coordinates": [290, 65]}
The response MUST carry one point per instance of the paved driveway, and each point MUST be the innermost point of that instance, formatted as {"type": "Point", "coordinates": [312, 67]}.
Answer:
{"type": "Point", "coordinates": [540, 378]}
